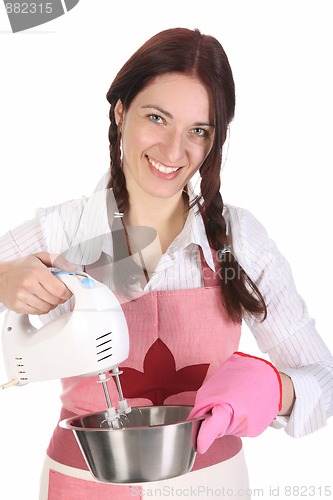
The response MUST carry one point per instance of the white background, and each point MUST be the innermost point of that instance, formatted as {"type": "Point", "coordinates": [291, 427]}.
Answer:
{"type": "Point", "coordinates": [54, 147]}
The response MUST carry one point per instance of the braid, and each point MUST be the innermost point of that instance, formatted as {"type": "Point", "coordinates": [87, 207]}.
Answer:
{"type": "Point", "coordinates": [189, 52]}
{"type": "Point", "coordinates": [124, 270]}
{"type": "Point", "coordinates": [117, 180]}
{"type": "Point", "coordinates": [238, 291]}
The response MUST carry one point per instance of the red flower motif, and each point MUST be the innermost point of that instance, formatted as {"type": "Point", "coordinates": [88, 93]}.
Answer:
{"type": "Point", "coordinates": [159, 378]}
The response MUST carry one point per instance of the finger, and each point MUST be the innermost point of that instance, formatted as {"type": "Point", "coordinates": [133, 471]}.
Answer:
{"type": "Point", "coordinates": [44, 286]}
{"type": "Point", "coordinates": [40, 307]}
{"type": "Point", "coordinates": [55, 260]}
{"type": "Point", "coordinates": [46, 258]}
{"type": "Point", "coordinates": [45, 301]}
{"type": "Point", "coordinates": [39, 297]}
{"type": "Point", "coordinates": [215, 425]}
{"type": "Point", "coordinates": [62, 263]}
{"type": "Point", "coordinates": [33, 304]}
{"type": "Point", "coordinates": [54, 291]}
{"type": "Point", "coordinates": [47, 287]}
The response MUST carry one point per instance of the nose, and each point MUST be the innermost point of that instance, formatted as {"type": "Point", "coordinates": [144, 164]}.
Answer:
{"type": "Point", "coordinates": [174, 147]}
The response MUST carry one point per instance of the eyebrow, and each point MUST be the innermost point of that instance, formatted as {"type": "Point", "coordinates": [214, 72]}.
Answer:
{"type": "Point", "coordinates": [169, 115]}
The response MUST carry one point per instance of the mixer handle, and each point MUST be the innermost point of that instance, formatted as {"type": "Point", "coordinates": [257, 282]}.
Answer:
{"type": "Point", "coordinates": [88, 293]}
{"type": "Point", "coordinates": [75, 280]}
{"type": "Point", "coordinates": [71, 336]}
{"type": "Point", "coordinates": [22, 322]}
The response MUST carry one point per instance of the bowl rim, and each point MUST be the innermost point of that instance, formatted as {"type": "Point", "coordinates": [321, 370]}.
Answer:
{"type": "Point", "coordinates": [66, 423]}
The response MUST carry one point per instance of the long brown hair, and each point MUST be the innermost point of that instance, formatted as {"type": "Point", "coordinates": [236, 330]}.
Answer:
{"type": "Point", "coordinates": [191, 53]}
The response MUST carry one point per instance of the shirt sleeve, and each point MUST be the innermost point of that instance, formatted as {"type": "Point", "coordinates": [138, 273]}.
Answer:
{"type": "Point", "coordinates": [288, 335]}
{"type": "Point", "coordinates": [51, 231]}
{"type": "Point", "coordinates": [25, 239]}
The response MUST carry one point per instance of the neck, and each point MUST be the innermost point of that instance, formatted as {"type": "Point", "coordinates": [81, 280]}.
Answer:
{"type": "Point", "coordinates": [157, 211]}
{"type": "Point", "coordinates": [166, 215]}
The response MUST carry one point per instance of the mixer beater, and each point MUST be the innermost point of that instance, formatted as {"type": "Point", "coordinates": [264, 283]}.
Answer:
{"type": "Point", "coordinates": [91, 339]}
{"type": "Point", "coordinates": [115, 418]}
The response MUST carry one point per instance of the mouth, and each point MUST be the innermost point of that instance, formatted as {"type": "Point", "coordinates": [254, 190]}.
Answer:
{"type": "Point", "coordinates": [162, 168]}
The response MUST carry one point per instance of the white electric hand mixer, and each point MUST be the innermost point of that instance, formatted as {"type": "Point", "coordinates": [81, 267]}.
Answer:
{"type": "Point", "coordinates": [92, 339]}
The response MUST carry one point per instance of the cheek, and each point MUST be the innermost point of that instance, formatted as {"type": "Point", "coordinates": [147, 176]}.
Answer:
{"type": "Point", "coordinates": [201, 153]}
{"type": "Point", "coordinates": [208, 148]}
{"type": "Point", "coordinates": [136, 141]}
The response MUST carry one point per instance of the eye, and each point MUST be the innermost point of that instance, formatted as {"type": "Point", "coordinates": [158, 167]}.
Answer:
{"type": "Point", "coordinates": [155, 118]}
{"type": "Point", "coordinates": [200, 132]}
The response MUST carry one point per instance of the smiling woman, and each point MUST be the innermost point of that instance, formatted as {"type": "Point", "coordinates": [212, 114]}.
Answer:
{"type": "Point", "coordinates": [173, 71]}
{"type": "Point", "coordinates": [163, 147]}
{"type": "Point", "coordinates": [167, 133]}
{"type": "Point", "coordinates": [212, 268]}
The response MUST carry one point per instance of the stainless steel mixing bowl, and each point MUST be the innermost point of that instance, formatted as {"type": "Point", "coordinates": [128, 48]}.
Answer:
{"type": "Point", "coordinates": [155, 442]}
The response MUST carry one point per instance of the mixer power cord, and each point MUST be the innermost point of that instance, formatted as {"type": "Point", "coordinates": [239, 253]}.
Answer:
{"type": "Point", "coordinates": [15, 381]}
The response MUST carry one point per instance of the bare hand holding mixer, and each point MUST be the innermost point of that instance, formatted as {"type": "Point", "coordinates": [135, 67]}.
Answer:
{"type": "Point", "coordinates": [92, 339]}
{"type": "Point", "coordinates": [121, 444]}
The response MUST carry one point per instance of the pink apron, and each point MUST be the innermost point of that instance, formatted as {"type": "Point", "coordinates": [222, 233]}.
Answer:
{"type": "Point", "coordinates": [177, 339]}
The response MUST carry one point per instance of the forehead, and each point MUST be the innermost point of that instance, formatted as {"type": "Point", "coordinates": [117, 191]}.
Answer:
{"type": "Point", "coordinates": [176, 91]}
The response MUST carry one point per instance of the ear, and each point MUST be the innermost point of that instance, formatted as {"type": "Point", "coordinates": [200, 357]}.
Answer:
{"type": "Point", "coordinates": [118, 111]}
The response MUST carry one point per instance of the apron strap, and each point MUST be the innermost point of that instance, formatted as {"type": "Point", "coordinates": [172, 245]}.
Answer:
{"type": "Point", "coordinates": [210, 277]}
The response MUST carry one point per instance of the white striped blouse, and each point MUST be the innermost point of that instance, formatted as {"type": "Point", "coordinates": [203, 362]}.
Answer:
{"type": "Point", "coordinates": [80, 229]}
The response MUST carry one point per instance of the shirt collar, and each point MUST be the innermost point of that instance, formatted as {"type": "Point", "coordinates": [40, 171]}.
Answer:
{"type": "Point", "coordinates": [194, 232]}
{"type": "Point", "coordinates": [93, 236]}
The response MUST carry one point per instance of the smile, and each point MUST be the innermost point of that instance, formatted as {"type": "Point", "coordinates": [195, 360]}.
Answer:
{"type": "Point", "coordinates": [162, 168]}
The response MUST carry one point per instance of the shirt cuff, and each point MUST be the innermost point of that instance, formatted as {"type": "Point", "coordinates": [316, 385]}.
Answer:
{"type": "Point", "coordinates": [309, 413]}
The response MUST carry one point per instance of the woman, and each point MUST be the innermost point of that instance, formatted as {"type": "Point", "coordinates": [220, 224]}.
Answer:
{"type": "Point", "coordinates": [211, 267]}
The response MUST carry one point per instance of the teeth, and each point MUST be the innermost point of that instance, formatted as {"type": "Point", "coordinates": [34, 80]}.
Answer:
{"type": "Point", "coordinates": [162, 168]}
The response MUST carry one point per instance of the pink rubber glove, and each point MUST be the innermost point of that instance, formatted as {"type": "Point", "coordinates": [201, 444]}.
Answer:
{"type": "Point", "coordinates": [242, 398]}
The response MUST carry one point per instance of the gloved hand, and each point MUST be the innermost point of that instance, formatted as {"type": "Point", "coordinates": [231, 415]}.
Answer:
{"type": "Point", "coordinates": [242, 398]}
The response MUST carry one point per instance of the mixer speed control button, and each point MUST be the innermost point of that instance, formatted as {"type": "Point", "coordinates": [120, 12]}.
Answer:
{"type": "Point", "coordinates": [88, 282]}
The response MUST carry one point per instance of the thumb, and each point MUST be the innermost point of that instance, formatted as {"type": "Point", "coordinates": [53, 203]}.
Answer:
{"type": "Point", "coordinates": [61, 263]}
{"type": "Point", "coordinates": [55, 260]}
{"type": "Point", "coordinates": [214, 426]}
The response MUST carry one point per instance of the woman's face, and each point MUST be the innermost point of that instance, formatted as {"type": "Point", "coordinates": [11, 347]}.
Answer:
{"type": "Point", "coordinates": [167, 132]}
